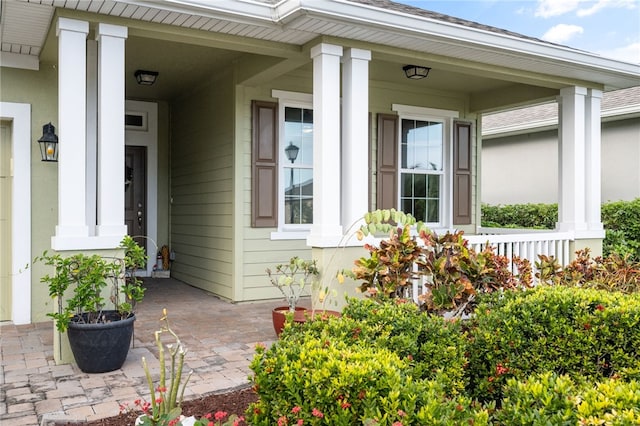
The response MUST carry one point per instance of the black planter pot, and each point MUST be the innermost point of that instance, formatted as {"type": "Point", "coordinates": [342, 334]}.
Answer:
{"type": "Point", "coordinates": [103, 347]}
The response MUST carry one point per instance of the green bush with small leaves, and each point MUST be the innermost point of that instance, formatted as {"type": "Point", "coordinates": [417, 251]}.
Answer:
{"type": "Point", "coordinates": [621, 221]}
{"type": "Point", "coordinates": [551, 399]}
{"type": "Point", "coordinates": [584, 333]}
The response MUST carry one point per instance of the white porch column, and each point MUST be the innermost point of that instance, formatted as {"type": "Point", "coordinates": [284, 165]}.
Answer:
{"type": "Point", "coordinates": [355, 132]}
{"type": "Point", "coordinates": [72, 64]}
{"type": "Point", "coordinates": [111, 39]}
{"type": "Point", "coordinates": [571, 185]}
{"type": "Point", "coordinates": [326, 228]}
{"type": "Point", "coordinates": [593, 159]}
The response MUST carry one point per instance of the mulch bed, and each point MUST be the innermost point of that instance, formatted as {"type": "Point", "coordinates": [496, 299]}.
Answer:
{"type": "Point", "coordinates": [234, 402]}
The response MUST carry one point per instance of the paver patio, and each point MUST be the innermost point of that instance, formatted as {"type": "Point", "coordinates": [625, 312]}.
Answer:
{"type": "Point", "coordinates": [220, 338]}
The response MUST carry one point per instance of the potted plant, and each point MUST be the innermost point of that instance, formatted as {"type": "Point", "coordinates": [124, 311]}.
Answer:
{"type": "Point", "coordinates": [291, 279]}
{"type": "Point", "coordinates": [96, 299]}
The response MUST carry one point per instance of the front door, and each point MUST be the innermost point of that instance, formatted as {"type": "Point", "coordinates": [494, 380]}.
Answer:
{"type": "Point", "coordinates": [135, 198]}
{"type": "Point", "coordinates": [5, 221]}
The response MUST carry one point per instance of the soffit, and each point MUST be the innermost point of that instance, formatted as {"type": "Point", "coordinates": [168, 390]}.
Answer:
{"type": "Point", "coordinates": [297, 22]}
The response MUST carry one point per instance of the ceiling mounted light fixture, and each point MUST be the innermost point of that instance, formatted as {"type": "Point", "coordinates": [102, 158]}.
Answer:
{"type": "Point", "coordinates": [416, 72]}
{"type": "Point", "coordinates": [146, 78]}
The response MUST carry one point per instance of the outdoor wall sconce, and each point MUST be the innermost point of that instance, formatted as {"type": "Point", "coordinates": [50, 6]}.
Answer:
{"type": "Point", "coordinates": [146, 78]}
{"type": "Point", "coordinates": [49, 143]}
{"type": "Point", "coordinates": [416, 72]}
{"type": "Point", "coordinates": [292, 152]}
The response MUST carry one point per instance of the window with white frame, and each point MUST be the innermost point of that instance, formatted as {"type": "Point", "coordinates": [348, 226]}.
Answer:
{"type": "Point", "coordinates": [296, 160]}
{"type": "Point", "coordinates": [424, 163]}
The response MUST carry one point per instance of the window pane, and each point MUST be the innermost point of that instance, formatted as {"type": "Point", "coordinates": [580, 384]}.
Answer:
{"type": "Point", "coordinates": [434, 186]}
{"type": "Point", "coordinates": [406, 188]}
{"type": "Point", "coordinates": [298, 130]}
{"type": "Point", "coordinates": [420, 186]}
{"type": "Point", "coordinates": [298, 203]}
{"type": "Point", "coordinates": [433, 213]}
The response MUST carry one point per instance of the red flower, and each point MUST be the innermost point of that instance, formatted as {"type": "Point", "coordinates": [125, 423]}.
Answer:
{"type": "Point", "coordinates": [600, 308]}
{"type": "Point", "coordinates": [317, 413]}
{"type": "Point", "coordinates": [345, 405]}
{"type": "Point", "coordinates": [161, 389]}
{"type": "Point", "coordinates": [220, 415]}
{"type": "Point", "coordinates": [159, 400]}
{"type": "Point", "coordinates": [587, 326]}
{"type": "Point", "coordinates": [296, 409]}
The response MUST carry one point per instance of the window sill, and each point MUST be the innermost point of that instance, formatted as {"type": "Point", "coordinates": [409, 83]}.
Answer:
{"type": "Point", "coordinates": [289, 235]}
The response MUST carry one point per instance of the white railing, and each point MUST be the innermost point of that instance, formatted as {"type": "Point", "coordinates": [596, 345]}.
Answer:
{"type": "Point", "coordinates": [526, 244]}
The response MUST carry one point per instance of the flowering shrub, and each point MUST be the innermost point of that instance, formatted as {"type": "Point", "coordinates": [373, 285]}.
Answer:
{"type": "Point", "coordinates": [329, 382]}
{"type": "Point", "coordinates": [579, 332]}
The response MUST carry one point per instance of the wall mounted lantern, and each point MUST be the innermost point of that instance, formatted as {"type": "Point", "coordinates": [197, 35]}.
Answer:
{"type": "Point", "coordinates": [49, 143]}
{"type": "Point", "coordinates": [416, 72]}
{"type": "Point", "coordinates": [146, 78]}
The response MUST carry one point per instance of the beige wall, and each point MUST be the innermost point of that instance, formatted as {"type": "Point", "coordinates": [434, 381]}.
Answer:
{"type": "Point", "coordinates": [524, 168]}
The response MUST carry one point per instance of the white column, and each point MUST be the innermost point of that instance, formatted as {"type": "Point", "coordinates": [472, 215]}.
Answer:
{"type": "Point", "coordinates": [111, 40]}
{"type": "Point", "coordinates": [593, 159]}
{"type": "Point", "coordinates": [326, 228]}
{"type": "Point", "coordinates": [92, 136]}
{"type": "Point", "coordinates": [72, 223]}
{"type": "Point", "coordinates": [571, 185]}
{"type": "Point", "coordinates": [355, 133]}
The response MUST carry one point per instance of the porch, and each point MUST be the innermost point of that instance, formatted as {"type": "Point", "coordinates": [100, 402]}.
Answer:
{"type": "Point", "coordinates": [220, 338]}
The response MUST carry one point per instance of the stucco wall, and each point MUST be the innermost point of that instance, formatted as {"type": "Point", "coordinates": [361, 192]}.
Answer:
{"type": "Point", "coordinates": [524, 168]}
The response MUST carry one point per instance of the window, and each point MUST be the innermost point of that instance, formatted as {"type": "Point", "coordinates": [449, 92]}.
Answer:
{"type": "Point", "coordinates": [423, 165]}
{"type": "Point", "coordinates": [421, 168]}
{"type": "Point", "coordinates": [297, 149]}
{"type": "Point", "coordinates": [295, 160]}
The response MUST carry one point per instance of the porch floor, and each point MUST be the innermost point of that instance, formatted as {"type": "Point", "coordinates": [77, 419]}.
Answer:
{"type": "Point", "coordinates": [220, 338]}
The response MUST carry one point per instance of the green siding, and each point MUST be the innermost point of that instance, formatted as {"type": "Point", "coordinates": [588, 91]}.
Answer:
{"type": "Point", "coordinates": [202, 187]}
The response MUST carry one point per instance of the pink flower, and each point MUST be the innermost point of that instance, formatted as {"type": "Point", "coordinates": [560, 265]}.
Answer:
{"type": "Point", "coordinates": [220, 415]}
{"type": "Point", "coordinates": [317, 413]}
{"type": "Point", "coordinates": [345, 405]}
{"type": "Point", "coordinates": [401, 413]}
{"type": "Point", "coordinates": [282, 421]}
{"type": "Point", "coordinates": [397, 424]}
{"type": "Point", "coordinates": [300, 422]}
{"type": "Point", "coordinates": [296, 409]}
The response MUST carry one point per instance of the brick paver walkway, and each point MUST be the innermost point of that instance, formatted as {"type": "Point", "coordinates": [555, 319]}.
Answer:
{"type": "Point", "coordinates": [220, 338]}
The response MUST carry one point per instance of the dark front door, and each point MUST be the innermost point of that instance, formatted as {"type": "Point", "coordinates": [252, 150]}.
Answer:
{"type": "Point", "coordinates": [135, 197]}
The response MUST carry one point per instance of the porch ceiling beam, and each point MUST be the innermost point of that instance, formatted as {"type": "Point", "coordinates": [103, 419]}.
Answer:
{"type": "Point", "coordinates": [510, 97]}
{"type": "Point", "coordinates": [253, 72]}
{"type": "Point", "coordinates": [189, 35]}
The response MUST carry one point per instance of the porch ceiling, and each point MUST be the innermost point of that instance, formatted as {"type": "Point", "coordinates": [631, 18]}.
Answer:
{"type": "Point", "coordinates": [187, 40]}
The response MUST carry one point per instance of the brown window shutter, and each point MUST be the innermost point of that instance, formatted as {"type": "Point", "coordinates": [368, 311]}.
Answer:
{"type": "Point", "coordinates": [387, 171]}
{"type": "Point", "coordinates": [264, 160]}
{"type": "Point", "coordinates": [462, 173]}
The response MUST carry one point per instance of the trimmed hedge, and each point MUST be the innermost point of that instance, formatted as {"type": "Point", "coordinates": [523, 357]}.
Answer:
{"type": "Point", "coordinates": [621, 220]}
{"type": "Point", "coordinates": [550, 355]}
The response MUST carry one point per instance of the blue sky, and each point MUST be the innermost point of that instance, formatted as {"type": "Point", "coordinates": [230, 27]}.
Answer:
{"type": "Point", "coordinates": [609, 28]}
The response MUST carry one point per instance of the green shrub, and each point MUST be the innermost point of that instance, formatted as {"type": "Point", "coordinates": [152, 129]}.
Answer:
{"type": "Point", "coordinates": [549, 399]}
{"type": "Point", "coordinates": [537, 216]}
{"type": "Point", "coordinates": [621, 220]}
{"type": "Point", "coordinates": [586, 334]}
{"type": "Point", "coordinates": [329, 382]}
